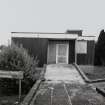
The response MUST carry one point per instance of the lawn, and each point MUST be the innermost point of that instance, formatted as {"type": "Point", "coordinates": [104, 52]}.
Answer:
{"type": "Point", "coordinates": [10, 100]}
{"type": "Point", "coordinates": [93, 72]}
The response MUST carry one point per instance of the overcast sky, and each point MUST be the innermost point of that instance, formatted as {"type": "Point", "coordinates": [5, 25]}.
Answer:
{"type": "Point", "coordinates": [51, 16]}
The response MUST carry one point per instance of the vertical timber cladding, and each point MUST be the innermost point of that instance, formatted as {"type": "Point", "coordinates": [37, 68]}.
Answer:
{"type": "Point", "coordinates": [36, 47]}
{"type": "Point", "coordinates": [88, 57]}
{"type": "Point", "coordinates": [51, 54]}
{"type": "Point", "coordinates": [51, 57]}
{"type": "Point", "coordinates": [71, 51]}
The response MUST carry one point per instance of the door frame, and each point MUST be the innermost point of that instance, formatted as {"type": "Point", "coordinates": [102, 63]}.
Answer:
{"type": "Point", "coordinates": [67, 53]}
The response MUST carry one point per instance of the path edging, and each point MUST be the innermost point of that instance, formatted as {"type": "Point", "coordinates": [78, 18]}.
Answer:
{"type": "Point", "coordinates": [34, 89]}
{"type": "Point", "coordinates": [85, 77]}
{"type": "Point", "coordinates": [100, 90]}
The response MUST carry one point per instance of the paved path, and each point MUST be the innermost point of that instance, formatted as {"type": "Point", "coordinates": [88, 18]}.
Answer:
{"type": "Point", "coordinates": [66, 73]}
{"type": "Point", "coordinates": [64, 86]}
{"type": "Point", "coordinates": [67, 94]}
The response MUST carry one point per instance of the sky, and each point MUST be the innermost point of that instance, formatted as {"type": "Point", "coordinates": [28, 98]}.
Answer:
{"type": "Point", "coordinates": [51, 16]}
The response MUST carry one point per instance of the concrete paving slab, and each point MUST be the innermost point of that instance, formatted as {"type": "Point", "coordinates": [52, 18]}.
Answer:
{"type": "Point", "coordinates": [43, 96]}
{"type": "Point", "coordinates": [59, 96]}
{"type": "Point", "coordinates": [62, 72]}
{"type": "Point", "coordinates": [84, 95]}
{"type": "Point", "coordinates": [67, 94]}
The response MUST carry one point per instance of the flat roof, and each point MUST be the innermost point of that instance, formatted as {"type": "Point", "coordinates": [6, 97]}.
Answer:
{"type": "Point", "coordinates": [51, 35]}
{"type": "Point", "coordinates": [46, 35]}
{"type": "Point", "coordinates": [67, 32]}
{"type": "Point", "coordinates": [86, 38]}
{"type": "Point", "coordinates": [37, 33]}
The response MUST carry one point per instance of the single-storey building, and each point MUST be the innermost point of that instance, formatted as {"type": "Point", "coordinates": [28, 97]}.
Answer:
{"type": "Point", "coordinates": [62, 48]}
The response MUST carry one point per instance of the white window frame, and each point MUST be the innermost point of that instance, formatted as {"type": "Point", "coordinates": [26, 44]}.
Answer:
{"type": "Point", "coordinates": [79, 49]}
{"type": "Point", "coordinates": [67, 53]}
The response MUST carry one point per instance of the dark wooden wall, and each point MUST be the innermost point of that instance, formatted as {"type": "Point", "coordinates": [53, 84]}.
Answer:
{"type": "Point", "coordinates": [87, 59]}
{"type": "Point", "coordinates": [51, 58]}
{"type": "Point", "coordinates": [71, 51]}
{"type": "Point", "coordinates": [35, 46]}
{"type": "Point", "coordinates": [39, 47]}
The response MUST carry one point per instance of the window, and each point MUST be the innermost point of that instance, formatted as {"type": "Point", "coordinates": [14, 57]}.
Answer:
{"type": "Point", "coordinates": [81, 47]}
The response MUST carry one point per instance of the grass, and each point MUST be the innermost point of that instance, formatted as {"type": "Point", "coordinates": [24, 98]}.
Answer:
{"type": "Point", "coordinates": [8, 97]}
{"type": "Point", "coordinates": [93, 72]}
{"type": "Point", "coordinates": [10, 100]}
{"type": "Point", "coordinates": [84, 95]}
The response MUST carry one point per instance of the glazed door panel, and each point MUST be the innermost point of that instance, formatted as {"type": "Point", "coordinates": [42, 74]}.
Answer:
{"type": "Point", "coordinates": [62, 53]}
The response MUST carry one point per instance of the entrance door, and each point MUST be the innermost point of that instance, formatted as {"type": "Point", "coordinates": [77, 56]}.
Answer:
{"type": "Point", "coordinates": [62, 53]}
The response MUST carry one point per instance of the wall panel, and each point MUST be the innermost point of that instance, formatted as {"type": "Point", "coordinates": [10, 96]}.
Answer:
{"type": "Point", "coordinates": [36, 47]}
{"type": "Point", "coordinates": [87, 58]}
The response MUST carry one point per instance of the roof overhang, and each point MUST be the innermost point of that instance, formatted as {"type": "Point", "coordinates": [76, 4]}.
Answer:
{"type": "Point", "coordinates": [86, 38]}
{"type": "Point", "coordinates": [49, 36]}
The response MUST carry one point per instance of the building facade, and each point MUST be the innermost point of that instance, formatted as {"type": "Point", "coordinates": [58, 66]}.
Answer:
{"type": "Point", "coordinates": [60, 48]}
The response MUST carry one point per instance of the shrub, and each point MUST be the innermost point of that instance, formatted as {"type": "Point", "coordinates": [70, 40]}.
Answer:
{"type": "Point", "coordinates": [16, 58]}
{"type": "Point", "coordinates": [100, 49]}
